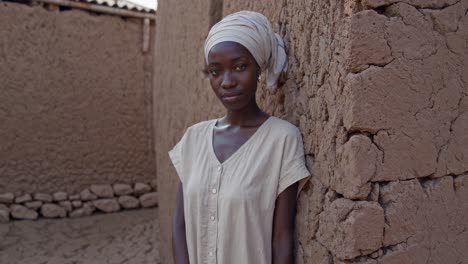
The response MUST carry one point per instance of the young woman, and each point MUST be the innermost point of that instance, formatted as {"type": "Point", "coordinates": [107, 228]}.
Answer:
{"type": "Point", "coordinates": [236, 200]}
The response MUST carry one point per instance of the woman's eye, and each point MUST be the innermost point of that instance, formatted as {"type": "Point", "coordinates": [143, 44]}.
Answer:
{"type": "Point", "coordinates": [213, 72]}
{"type": "Point", "coordinates": [240, 67]}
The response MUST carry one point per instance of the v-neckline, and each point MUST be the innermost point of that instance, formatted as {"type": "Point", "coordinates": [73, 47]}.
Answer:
{"type": "Point", "coordinates": [247, 142]}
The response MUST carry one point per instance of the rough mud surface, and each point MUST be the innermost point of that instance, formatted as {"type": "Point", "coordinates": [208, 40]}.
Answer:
{"type": "Point", "coordinates": [128, 237]}
{"type": "Point", "coordinates": [379, 90]}
{"type": "Point", "coordinates": [182, 95]}
{"type": "Point", "coordinates": [75, 100]}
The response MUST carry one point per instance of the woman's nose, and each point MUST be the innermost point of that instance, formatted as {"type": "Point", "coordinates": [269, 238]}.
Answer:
{"type": "Point", "coordinates": [227, 80]}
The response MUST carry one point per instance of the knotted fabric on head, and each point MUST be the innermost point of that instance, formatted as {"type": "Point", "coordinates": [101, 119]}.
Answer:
{"type": "Point", "coordinates": [253, 31]}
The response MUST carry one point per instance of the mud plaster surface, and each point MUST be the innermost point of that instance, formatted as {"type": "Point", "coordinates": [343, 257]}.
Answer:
{"type": "Point", "coordinates": [378, 89]}
{"type": "Point", "coordinates": [75, 100]}
{"type": "Point", "coordinates": [182, 95]}
{"type": "Point", "coordinates": [127, 237]}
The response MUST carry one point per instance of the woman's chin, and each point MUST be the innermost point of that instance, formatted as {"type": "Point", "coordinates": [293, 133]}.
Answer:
{"type": "Point", "coordinates": [234, 105]}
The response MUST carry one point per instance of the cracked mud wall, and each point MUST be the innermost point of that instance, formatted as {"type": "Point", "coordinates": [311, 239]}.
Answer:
{"type": "Point", "coordinates": [75, 100]}
{"type": "Point", "coordinates": [378, 89]}
{"type": "Point", "coordinates": [407, 115]}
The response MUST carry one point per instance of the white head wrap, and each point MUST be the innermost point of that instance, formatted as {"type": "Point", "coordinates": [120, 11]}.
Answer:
{"type": "Point", "coordinates": [253, 31]}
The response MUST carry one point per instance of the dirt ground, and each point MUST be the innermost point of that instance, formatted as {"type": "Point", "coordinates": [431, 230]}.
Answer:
{"type": "Point", "coordinates": [128, 237]}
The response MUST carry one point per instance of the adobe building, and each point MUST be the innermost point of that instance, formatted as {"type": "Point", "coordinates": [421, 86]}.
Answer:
{"type": "Point", "coordinates": [76, 96]}
{"type": "Point", "coordinates": [379, 90]}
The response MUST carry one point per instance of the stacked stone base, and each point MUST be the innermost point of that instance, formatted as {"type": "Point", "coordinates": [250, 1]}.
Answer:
{"type": "Point", "coordinates": [100, 198]}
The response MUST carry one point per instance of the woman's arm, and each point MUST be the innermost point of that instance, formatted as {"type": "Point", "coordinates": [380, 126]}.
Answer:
{"type": "Point", "coordinates": [283, 226]}
{"type": "Point", "coordinates": [179, 240]}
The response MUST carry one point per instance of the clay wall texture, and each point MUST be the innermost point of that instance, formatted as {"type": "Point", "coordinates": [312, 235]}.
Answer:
{"type": "Point", "coordinates": [379, 90]}
{"type": "Point", "coordinates": [75, 100]}
{"type": "Point", "coordinates": [182, 94]}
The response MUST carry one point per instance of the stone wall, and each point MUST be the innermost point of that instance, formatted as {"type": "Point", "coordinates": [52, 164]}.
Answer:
{"type": "Point", "coordinates": [379, 90]}
{"type": "Point", "coordinates": [75, 100]}
{"type": "Point", "coordinates": [102, 198]}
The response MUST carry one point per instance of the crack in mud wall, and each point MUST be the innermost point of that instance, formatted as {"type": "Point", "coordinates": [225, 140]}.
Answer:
{"type": "Point", "coordinates": [378, 89]}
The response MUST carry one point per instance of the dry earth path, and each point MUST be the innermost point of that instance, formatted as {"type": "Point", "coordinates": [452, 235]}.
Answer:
{"type": "Point", "coordinates": [128, 237]}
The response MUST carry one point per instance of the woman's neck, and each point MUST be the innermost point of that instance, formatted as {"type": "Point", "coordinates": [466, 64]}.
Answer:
{"type": "Point", "coordinates": [246, 117]}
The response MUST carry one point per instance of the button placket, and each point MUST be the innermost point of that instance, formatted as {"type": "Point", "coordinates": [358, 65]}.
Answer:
{"type": "Point", "coordinates": [213, 224]}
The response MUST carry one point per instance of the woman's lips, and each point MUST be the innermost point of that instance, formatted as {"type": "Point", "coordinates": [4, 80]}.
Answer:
{"type": "Point", "coordinates": [231, 97]}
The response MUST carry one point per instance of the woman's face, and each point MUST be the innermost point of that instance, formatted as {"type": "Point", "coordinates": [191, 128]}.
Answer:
{"type": "Point", "coordinates": [233, 74]}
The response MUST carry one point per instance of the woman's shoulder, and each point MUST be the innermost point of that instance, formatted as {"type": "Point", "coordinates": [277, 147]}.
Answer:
{"type": "Point", "coordinates": [199, 129]}
{"type": "Point", "coordinates": [201, 125]}
{"type": "Point", "coordinates": [283, 127]}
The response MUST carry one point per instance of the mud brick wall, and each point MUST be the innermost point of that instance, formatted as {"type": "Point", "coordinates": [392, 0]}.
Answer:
{"type": "Point", "coordinates": [379, 90]}
{"type": "Point", "coordinates": [182, 94]}
{"type": "Point", "coordinates": [75, 100]}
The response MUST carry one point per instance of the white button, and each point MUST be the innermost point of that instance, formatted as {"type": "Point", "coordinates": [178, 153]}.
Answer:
{"type": "Point", "coordinates": [212, 218]}
{"type": "Point", "coordinates": [219, 168]}
{"type": "Point", "coordinates": [210, 253]}
{"type": "Point", "coordinates": [214, 191]}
